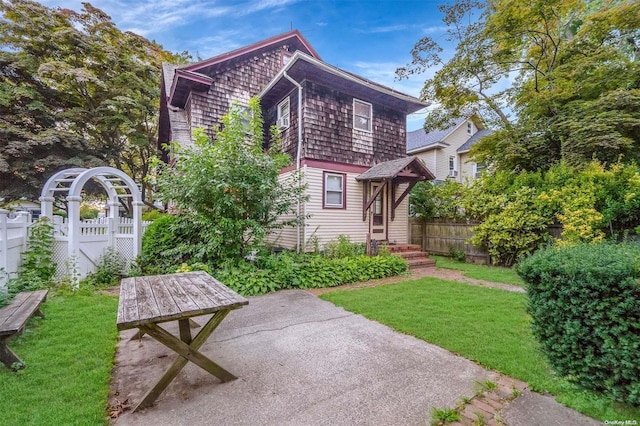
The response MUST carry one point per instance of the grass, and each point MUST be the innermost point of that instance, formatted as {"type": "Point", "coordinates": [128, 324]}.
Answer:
{"type": "Point", "coordinates": [69, 356]}
{"type": "Point", "coordinates": [486, 325]}
{"type": "Point", "coordinates": [495, 274]}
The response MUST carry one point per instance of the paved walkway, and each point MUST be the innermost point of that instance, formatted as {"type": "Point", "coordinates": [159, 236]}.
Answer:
{"type": "Point", "coordinates": [304, 361]}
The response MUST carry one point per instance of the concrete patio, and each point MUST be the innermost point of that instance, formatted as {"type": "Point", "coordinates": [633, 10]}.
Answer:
{"type": "Point", "coordinates": [302, 361]}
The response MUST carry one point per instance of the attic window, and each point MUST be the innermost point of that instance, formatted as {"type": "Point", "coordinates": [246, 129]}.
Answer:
{"type": "Point", "coordinates": [283, 114]}
{"type": "Point", "coordinates": [286, 57]}
{"type": "Point", "coordinates": [469, 127]}
{"type": "Point", "coordinates": [362, 115]}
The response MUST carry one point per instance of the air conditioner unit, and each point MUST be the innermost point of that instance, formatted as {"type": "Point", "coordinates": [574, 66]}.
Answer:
{"type": "Point", "coordinates": [453, 173]}
{"type": "Point", "coordinates": [283, 122]}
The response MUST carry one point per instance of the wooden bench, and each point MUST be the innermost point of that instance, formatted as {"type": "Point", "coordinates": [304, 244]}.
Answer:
{"type": "Point", "coordinates": [13, 319]}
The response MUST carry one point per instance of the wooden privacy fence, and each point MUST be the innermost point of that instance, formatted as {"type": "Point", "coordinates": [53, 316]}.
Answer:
{"type": "Point", "coordinates": [439, 236]}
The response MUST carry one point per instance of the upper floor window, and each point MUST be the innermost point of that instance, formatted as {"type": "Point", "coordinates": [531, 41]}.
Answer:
{"type": "Point", "coordinates": [362, 115]}
{"type": "Point", "coordinates": [286, 57]}
{"type": "Point", "coordinates": [478, 168]}
{"type": "Point", "coordinates": [284, 115]}
{"type": "Point", "coordinates": [334, 194]}
{"type": "Point", "coordinates": [469, 127]}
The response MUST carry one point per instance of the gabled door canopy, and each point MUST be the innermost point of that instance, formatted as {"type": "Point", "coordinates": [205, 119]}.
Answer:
{"type": "Point", "coordinates": [392, 173]}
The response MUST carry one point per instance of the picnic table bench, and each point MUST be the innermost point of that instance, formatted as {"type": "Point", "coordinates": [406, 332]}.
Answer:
{"type": "Point", "coordinates": [145, 302]}
{"type": "Point", "coordinates": [13, 319]}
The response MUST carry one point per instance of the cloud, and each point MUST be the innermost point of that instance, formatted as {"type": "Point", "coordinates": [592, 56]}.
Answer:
{"type": "Point", "coordinates": [385, 73]}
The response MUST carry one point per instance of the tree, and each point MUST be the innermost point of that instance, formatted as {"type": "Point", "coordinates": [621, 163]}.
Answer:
{"type": "Point", "coordinates": [575, 67]}
{"type": "Point", "coordinates": [90, 91]}
{"type": "Point", "coordinates": [231, 188]}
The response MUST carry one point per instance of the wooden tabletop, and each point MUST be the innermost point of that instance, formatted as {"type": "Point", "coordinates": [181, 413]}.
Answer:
{"type": "Point", "coordinates": [161, 298]}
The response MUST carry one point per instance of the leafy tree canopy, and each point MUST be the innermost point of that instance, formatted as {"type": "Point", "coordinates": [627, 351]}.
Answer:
{"type": "Point", "coordinates": [74, 91]}
{"type": "Point", "coordinates": [558, 79]}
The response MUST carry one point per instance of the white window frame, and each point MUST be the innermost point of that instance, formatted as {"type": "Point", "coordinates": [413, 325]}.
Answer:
{"type": "Point", "coordinates": [284, 117]}
{"type": "Point", "coordinates": [325, 203]}
{"type": "Point", "coordinates": [369, 118]}
{"type": "Point", "coordinates": [477, 171]}
{"type": "Point", "coordinates": [453, 161]}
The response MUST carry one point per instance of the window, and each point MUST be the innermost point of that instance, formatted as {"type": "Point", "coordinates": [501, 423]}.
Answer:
{"type": "Point", "coordinates": [362, 115]}
{"type": "Point", "coordinates": [334, 194]}
{"type": "Point", "coordinates": [283, 114]}
{"type": "Point", "coordinates": [469, 127]}
{"type": "Point", "coordinates": [453, 169]}
{"type": "Point", "coordinates": [286, 57]}
{"type": "Point", "coordinates": [478, 168]}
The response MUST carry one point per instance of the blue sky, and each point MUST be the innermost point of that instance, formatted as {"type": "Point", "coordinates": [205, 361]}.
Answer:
{"type": "Point", "coordinates": [368, 38]}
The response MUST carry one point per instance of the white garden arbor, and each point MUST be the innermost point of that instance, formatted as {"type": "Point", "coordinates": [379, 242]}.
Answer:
{"type": "Point", "coordinates": [84, 243]}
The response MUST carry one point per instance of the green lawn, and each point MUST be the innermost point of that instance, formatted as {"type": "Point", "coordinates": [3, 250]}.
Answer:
{"type": "Point", "coordinates": [487, 325]}
{"type": "Point", "coordinates": [481, 272]}
{"type": "Point", "coordinates": [69, 356]}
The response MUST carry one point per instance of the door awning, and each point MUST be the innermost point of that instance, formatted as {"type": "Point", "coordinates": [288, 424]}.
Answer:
{"type": "Point", "coordinates": [409, 170]}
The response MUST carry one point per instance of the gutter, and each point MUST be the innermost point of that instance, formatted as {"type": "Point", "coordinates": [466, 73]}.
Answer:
{"type": "Point", "coordinates": [299, 86]}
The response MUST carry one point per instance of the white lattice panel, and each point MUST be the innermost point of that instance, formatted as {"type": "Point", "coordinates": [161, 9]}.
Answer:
{"type": "Point", "coordinates": [124, 245]}
{"type": "Point", "coordinates": [59, 258]}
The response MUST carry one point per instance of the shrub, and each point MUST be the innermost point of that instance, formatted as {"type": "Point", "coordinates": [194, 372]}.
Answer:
{"type": "Point", "coordinates": [584, 304]}
{"type": "Point", "coordinates": [151, 215]}
{"type": "Point", "coordinates": [167, 243]}
{"type": "Point", "coordinates": [36, 270]}
{"type": "Point", "coordinates": [109, 271]}
{"type": "Point", "coordinates": [343, 247]}
{"type": "Point", "coordinates": [289, 270]}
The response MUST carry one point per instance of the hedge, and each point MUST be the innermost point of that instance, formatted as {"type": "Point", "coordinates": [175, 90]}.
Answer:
{"type": "Point", "coordinates": [585, 305]}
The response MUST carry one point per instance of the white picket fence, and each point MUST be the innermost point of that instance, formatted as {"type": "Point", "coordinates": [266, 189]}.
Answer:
{"type": "Point", "coordinates": [96, 236]}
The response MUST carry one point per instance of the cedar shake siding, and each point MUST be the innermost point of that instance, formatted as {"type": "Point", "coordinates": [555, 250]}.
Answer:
{"type": "Point", "coordinates": [235, 83]}
{"type": "Point", "coordinates": [328, 132]}
{"type": "Point", "coordinates": [327, 128]}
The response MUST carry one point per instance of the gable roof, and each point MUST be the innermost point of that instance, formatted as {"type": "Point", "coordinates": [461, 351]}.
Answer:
{"type": "Point", "coordinates": [197, 76]}
{"type": "Point", "coordinates": [465, 147]}
{"type": "Point", "coordinates": [302, 66]}
{"type": "Point", "coordinates": [293, 38]}
{"type": "Point", "coordinates": [394, 169]}
{"type": "Point", "coordinates": [419, 139]}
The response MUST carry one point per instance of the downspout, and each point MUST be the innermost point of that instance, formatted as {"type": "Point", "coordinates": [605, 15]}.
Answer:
{"type": "Point", "coordinates": [299, 86]}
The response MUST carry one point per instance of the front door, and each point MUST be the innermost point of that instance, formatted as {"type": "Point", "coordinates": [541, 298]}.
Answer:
{"type": "Point", "coordinates": [378, 213]}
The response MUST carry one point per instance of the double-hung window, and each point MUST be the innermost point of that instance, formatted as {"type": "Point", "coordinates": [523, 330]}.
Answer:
{"type": "Point", "coordinates": [334, 191]}
{"type": "Point", "coordinates": [453, 167]}
{"type": "Point", "coordinates": [284, 115]}
{"type": "Point", "coordinates": [362, 115]}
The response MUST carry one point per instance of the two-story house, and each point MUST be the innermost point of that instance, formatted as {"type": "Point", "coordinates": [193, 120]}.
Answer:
{"type": "Point", "coordinates": [345, 133]}
{"type": "Point", "coordinates": [446, 151]}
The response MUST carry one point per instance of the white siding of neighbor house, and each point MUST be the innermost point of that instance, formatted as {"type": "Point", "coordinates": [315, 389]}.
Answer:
{"type": "Point", "coordinates": [324, 225]}
{"type": "Point", "coordinates": [429, 158]}
{"type": "Point", "coordinates": [467, 167]}
{"type": "Point", "coordinates": [437, 159]}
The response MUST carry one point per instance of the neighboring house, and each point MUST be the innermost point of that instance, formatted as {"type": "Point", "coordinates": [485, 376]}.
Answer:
{"type": "Point", "coordinates": [347, 134]}
{"type": "Point", "coordinates": [446, 152]}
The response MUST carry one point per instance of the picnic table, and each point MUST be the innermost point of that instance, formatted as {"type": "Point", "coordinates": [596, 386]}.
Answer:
{"type": "Point", "coordinates": [146, 302]}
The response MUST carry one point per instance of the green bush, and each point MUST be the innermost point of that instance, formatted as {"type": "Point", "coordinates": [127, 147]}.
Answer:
{"type": "Point", "coordinates": [167, 243]}
{"type": "Point", "coordinates": [109, 271]}
{"type": "Point", "coordinates": [151, 215]}
{"type": "Point", "coordinates": [584, 303]}
{"type": "Point", "coordinates": [289, 270]}
{"type": "Point", "coordinates": [343, 247]}
{"type": "Point", "coordinates": [36, 270]}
